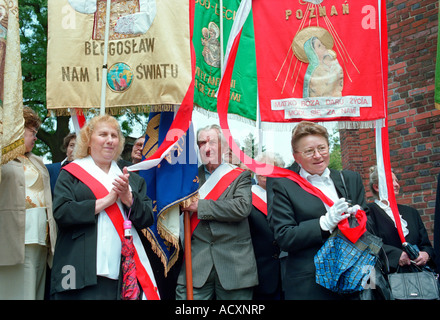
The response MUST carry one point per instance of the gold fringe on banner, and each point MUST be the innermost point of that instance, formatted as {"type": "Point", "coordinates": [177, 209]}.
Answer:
{"type": "Point", "coordinates": [12, 151]}
{"type": "Point", "coordinates": [166, 234]}
{"type": "Point", "coordinates": [114, 111]}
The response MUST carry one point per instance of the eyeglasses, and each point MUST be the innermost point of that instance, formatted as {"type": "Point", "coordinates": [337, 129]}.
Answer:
{"type": "Point", "coordinates": [33, 132]}
{"type": "Point", "coordinates": [308, 153]}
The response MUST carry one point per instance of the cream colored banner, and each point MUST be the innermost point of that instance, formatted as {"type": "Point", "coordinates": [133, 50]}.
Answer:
{"type": "Point", "coordinates": [11, 93]}
{"type": "Point", "coordinates": [149, 60]}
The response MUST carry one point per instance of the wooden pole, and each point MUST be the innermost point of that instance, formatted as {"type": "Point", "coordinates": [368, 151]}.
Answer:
{"type": "Point", "coordinates": [188, 262]}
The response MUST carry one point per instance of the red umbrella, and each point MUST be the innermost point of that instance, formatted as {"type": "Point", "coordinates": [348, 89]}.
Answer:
{"type": "Point", "coordinates": [130, 287]}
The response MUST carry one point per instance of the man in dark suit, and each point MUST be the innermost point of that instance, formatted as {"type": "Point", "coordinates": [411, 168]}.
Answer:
{"type": "Point", "coordinates": [55, 168]}
{"type": "Point", "coordinates": [223, 259]}
{"type": "Point", "coordinates": [267, 252]}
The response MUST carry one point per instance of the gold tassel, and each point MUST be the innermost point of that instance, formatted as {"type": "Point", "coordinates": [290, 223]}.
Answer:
{"type": "Point", "coordinates": [114, 111]}
{"type": "Point", "coordinates": [187, 202]}
{"type": "Point", "coordinates": [13, 151]}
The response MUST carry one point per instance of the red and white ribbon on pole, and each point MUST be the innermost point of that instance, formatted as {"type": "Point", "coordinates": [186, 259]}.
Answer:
{"type": "Point", "coordinates": [272, 171]}
{"type": "Point", "coordinates": [385, 183]}
{"type": "Point", "coordinates": [78, 119]}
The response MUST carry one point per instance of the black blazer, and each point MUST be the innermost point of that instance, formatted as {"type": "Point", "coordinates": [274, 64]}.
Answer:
{"type": "Point", "coordinates": [74, 212]}
{"type": "Point", "coordinates": [293, 215]}
{"type": "Point", "coordinates": [381, 225]}
{"type": "Point", "coordinates": [266, 254]}
{"type": "Point", "coordinates": [54, 171]}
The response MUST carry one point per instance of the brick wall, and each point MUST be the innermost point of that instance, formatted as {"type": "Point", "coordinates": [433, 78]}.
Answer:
{"type": "Point", "coordinates": [414, 123]}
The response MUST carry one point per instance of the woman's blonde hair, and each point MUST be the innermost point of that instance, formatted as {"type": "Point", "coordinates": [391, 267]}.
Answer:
{"type": "Point", "coordinates": [83, 140]}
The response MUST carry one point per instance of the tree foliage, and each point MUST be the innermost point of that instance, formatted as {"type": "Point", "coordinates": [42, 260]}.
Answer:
{"type": "Point", "coordinates": [335, 151]}
{"type": "Point", "coordinates": [33, 40]}
{"type": "Point", "coordinates": [250, 146]}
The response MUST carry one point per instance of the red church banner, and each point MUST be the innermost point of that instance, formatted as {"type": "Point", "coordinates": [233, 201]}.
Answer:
{"type": "Point", "coordinates": [321, 60]}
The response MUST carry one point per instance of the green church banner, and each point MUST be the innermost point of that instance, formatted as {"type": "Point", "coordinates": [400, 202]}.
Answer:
{"type": "Point", "coordinates": [206, 39]}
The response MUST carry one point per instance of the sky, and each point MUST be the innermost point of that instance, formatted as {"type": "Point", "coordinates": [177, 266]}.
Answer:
{"type": "Point", "coordinates": [277, 141]}
{"type": "Point", "coordinates": [273, 141]}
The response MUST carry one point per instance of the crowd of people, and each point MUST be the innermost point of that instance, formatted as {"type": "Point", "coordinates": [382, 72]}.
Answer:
{"type": "Point", "coordinates": [61, 224]}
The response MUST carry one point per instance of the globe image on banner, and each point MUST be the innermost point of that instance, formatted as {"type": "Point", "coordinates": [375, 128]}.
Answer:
{"type": "Point", "coordinates": [119, 77]}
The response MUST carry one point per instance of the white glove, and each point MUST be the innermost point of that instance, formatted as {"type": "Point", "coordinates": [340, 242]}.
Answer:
{"type": "Point", "coordinates": [334, 215]}
{"type": "Point", "coordinates": [354, 209]}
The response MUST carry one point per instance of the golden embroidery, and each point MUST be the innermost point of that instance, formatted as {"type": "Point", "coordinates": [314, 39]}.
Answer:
{"type": "Point", "coordinates": [119, 8]}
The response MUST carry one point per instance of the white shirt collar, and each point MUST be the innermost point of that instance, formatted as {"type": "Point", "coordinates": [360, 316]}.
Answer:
{"type": "Point", "coordinates": [309, 177]}
{"type": "Point", "coordinates": [323, 182]}
{"type": "Point", "coordinates": [386, 208]}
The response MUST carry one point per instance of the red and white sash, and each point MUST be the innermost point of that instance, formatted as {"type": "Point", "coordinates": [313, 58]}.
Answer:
{"type": "Point", "coordinates": [144, 271]}
{"type": "Point", "coordinates": [216, 184]}
{"type": "Point", "coordinates": [259, 198]}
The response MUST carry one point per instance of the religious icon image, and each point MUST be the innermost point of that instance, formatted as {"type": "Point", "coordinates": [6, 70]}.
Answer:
{"type": "Point", "coordinates": [211, 45]}
{"type": "Point", "coordinates": [322, 51]}
{"type": "Point", "coordinates": [324, 75]}
{"type": "Point", "coordinates": [313, 1]}
{"type": "Point", "coordinates": [128, 18]}
{"type": "Point", "coordinates": [119, 77]}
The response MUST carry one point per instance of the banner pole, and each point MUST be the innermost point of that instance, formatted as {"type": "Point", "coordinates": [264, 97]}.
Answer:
{"type": "Point", "coordinates": [221, 36]}
{"type": "Point", "coordinates": [259, 130]}
{"type": "Point", "coordinates": [104, 63]}
{"type": "Point", "coordinates": [188, 262]}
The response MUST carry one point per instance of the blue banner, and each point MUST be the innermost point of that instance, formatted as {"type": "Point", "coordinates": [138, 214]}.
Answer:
{"type": "Point", "coordinates": [172, 181]}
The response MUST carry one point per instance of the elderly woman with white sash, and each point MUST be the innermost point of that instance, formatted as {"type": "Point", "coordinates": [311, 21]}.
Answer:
{"type": "Point", "coordinates": [93, 201]}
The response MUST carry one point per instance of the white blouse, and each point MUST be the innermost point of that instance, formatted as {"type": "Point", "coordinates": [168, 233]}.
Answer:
{"type": "Point", "coordinates": [108, 247]}
{"type": "Point", "coordinates": [323, 182]}
{"type": "Point", "coordinates": [389, 212]}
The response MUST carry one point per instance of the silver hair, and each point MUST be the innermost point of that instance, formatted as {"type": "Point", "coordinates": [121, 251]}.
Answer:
{"type": "Point", "coordinates": [374, 179]}
{"type": "Point", "coordinates": [217, 128]}
{"type": "Point", "coordinates": [270, 158]}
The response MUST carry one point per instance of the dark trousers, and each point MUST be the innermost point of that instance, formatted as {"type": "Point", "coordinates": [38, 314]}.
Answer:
{"type": "Point", "coordinates": [105, 289]}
